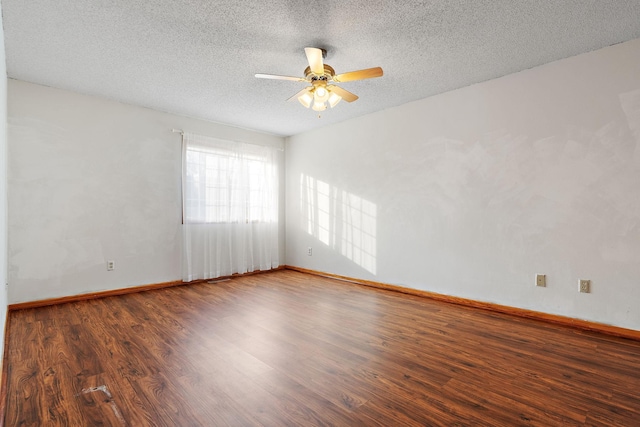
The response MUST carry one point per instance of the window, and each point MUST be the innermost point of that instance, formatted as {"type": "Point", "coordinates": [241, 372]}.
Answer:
{"type": "Point", "coordinates": [230, 207]}
{"type": "Point", "coordinates": [227, 182]}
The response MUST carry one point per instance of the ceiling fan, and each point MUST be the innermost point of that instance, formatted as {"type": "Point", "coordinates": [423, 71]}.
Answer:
{"type": "Point", "coordinates": [322, 77]}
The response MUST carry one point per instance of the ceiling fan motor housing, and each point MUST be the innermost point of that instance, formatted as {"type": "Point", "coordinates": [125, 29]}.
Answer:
{"type": "Point", "coordinates": [329, 72]}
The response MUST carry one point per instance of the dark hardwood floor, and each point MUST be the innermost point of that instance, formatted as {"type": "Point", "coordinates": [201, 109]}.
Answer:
{"type": "Point", "coordinates": [290, 349]}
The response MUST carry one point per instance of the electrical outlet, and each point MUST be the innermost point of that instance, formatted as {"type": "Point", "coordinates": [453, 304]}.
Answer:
{"type": "Point", "coordinates": [585, 286]}
{"type": "Point", "coordinates": [111, 265]}
{"type": "Point", "coordinates": [541, 280]}
{"type": "Point", "coordinates": [309, 251]}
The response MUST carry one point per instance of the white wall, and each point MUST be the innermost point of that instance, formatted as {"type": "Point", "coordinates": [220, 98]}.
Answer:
{"type": "Point", "coordinates": [3, 189]}
{"type": "Point", "coordinates": [472, 192]}
{"type": "Point", "coordinates": [92, 180]}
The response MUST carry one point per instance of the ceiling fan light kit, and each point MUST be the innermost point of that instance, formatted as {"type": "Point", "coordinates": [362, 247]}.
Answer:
{"type": "Point", "coordinates": [321, 77]}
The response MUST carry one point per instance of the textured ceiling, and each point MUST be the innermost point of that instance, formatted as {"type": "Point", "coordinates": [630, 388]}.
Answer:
{"type": "Point", "coordinates": [198, 57]}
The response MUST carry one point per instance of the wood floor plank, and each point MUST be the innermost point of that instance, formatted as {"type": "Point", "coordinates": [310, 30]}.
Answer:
{"type": "Point", "coordinates": [27, 399]}
{"type": "Point", "coordinates": [169, 404]}
{"type": "Point", "coordinates": [290, 349]}
{"type": "Point", "coordinates": [219, 408]}
{"type": "Point", "coordinates": [316, 410]}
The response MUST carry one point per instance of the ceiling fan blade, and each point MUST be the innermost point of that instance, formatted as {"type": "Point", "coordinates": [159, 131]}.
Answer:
{"type": "Point", "coordinates": [314, 56]}
{"type": "Point", "coordinates": [275, 77]}
{"type": "Point", "coordinates": [344, 94]}
{"type": "Point", "coordinates": [369, 73]}
{"type": "Point", "coordinates": [297, 95]}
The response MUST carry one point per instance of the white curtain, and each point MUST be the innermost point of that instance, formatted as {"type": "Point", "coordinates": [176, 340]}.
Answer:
{"type": "Point", "coordinates": [230, 207]}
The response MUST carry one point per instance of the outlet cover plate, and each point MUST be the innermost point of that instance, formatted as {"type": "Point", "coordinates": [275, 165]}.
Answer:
{"type": "Point", "coordinates": [584, 286]}
{"type": "Point", "coordinates": [541, 280]}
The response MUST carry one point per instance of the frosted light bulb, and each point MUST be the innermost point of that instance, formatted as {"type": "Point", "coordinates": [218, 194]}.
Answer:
{"type": "Point", "coordinates": [319, 106]}
{"type": "Point", "coordinates": [334, 99]}
{"type": "Point", "coordinates": [305, 99]}
{"type": "Point", "coordinates": [321, 94]}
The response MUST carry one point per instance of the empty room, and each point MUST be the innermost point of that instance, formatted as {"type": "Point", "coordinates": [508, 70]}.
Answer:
{"type": "Point", "coordinates": [355, 213]}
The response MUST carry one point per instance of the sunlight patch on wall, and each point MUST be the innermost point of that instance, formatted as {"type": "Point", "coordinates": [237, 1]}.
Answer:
{"type": "Point", "coordinates": [630, 103]}
{"type": "Point", "coordinates": [341, 220]}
